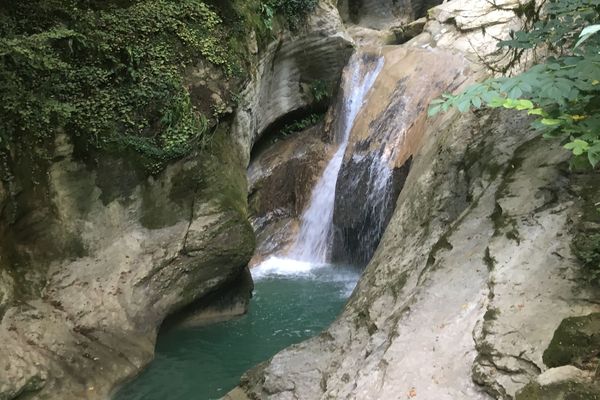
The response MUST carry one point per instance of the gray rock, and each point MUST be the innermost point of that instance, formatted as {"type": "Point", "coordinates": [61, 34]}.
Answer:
{"type": "Point", "coordinates": [115, 256]}
{"type": "Point", "coordinates": [288, 66]}
{"type": "Point", "coordinates": [562, 383]}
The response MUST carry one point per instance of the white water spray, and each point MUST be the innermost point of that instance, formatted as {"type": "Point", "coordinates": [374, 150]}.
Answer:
{"type": "Point", "coordinates": [314, 240]}
{"type": "Point", "coordinates": [310, 251]}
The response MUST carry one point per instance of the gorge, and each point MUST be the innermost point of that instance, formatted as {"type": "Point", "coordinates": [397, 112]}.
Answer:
{"type": "Point", "coordinates": [324, 238]}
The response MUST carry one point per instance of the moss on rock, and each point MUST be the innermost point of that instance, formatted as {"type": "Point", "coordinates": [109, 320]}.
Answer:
{"type": "Point", "coordinates": [560, 391]}
{"type": "Point", "coordinates": [576, 341]}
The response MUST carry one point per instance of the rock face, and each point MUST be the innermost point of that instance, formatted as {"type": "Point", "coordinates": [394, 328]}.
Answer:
{"type": "Point", "coordinates": [95, 255]}
{"type": "Point", "coordinates": [378, 14]}
{"type": "Point", "coordinates": [473, 274]}
{"type": "Point", "coordinates": [109, 258]}
{"type": "Point", "coordinates": [288, 70]}
{"type": "Point", "coordinates": [386, 134]}
{"type": "Point", "coordinates": [451, 284]}
{"type": "Point", "coordinates": [280, 181]}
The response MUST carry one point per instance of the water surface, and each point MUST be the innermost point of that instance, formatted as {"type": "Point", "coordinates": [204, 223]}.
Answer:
{"type": "Point", "coordinates": [292, 301]}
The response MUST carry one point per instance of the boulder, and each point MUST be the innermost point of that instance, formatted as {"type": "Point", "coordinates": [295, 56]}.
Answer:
{"type": "Point", "coordinates": [93, 274]}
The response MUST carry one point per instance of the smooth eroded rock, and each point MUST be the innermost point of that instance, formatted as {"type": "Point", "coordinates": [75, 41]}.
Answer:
{"type": "Point", "coordinates": [281, 177]}
{"type": "Point", "coordinates": [386, 133]}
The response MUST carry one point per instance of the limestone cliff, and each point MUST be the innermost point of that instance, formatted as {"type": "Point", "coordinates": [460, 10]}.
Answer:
{"type": "Point", "coordinates": [97, 254]}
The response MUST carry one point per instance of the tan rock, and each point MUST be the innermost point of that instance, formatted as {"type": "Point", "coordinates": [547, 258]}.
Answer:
{"type": "Point", "coordinates": [280, 179]}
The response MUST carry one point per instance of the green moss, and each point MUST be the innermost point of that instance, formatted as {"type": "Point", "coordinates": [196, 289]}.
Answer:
{"type": "Point", "coordinates": [398, 284]}
{"type": "Point", "coordinates": [513, 234]}
{"type": "Point", "coordinates": [560, 391]}
{"type": "Point", "coordinates": [110, 73]}
{"type": "Point", "coordinates": [586, 239]}
{"type": "Point", "coordinates": [225, 176]}
{"type": "Point", "coordinates": [489, 261]}
{"type": "Point", "coordinates": [491, 314]}
{"type": "Point", "coordinates": [576, 341]}
{"type": "Point", "coordinates": [442, 244]}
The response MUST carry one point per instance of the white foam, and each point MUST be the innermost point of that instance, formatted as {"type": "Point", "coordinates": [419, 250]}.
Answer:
{"type": "Point", "coordinates": [276, 266]}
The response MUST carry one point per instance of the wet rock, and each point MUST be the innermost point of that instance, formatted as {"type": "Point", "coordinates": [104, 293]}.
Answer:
{"type": "Point", "coordinates": [280, 179]}
{"type": "Point", "coordinates": [225, 303]}
{"type": "Point", "coordinates": [576, 341]}
{"type": "Point", "coordinates": [386, 133]}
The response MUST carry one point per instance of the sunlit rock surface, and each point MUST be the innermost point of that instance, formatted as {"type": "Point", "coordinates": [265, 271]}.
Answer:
{"type": "Point", "coordinates": [386, 134]}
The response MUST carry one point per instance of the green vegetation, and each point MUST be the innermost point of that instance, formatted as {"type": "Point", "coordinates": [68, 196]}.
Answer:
{"type": "Point", "coordinates": [293, 11]}
{"type": "Point", "coordinates": [563, 90]}
{"type": "Point", "coordinates": [107, 74]}
{"type": "Point", "coordinates": [587, 249]}
{"type": "Point", "coordinates": [302, 124]}
{"type": "Point", "coordinates": [111, 74]}
{"type": "Point", "coordinates": [320, 90]}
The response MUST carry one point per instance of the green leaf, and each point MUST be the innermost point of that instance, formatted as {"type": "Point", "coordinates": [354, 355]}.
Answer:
{"type": "Point", "coordinates": [496, 102]}
{"type": "Point", "coordinates": [577, 146]}
{"type": "Point", "coordinates": [586, 33]}
{"type": "Point", "coordinates": [433, 110]}
{"type": "Point", "coordinates": [594, 155]}
{"type": "Point", "coordinates": [551, 121]}
{"type": "Point", "coordinates": [464, 105]}
{"type": "Point", "coordinates": [524, 104]}
{"type": "Point", "coordinates": [536, 111]}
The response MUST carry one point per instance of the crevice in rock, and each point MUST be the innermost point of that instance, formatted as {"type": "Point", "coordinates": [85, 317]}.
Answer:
{"type": "Point", "coordinates": [228, 300]}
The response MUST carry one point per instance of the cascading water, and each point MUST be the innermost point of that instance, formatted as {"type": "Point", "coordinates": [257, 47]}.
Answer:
{"type": "Point", "coordinates": [294, 298]}
{"type": "Point", "coordinates": [314, 239]}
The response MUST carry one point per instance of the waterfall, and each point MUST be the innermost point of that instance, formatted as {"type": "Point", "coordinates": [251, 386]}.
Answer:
{"type": "Point", "coordinates": [314, 240]}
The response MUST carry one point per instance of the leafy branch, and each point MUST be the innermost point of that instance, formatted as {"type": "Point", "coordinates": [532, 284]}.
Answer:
{"type": "Point", "coordinates": [562, 93]}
